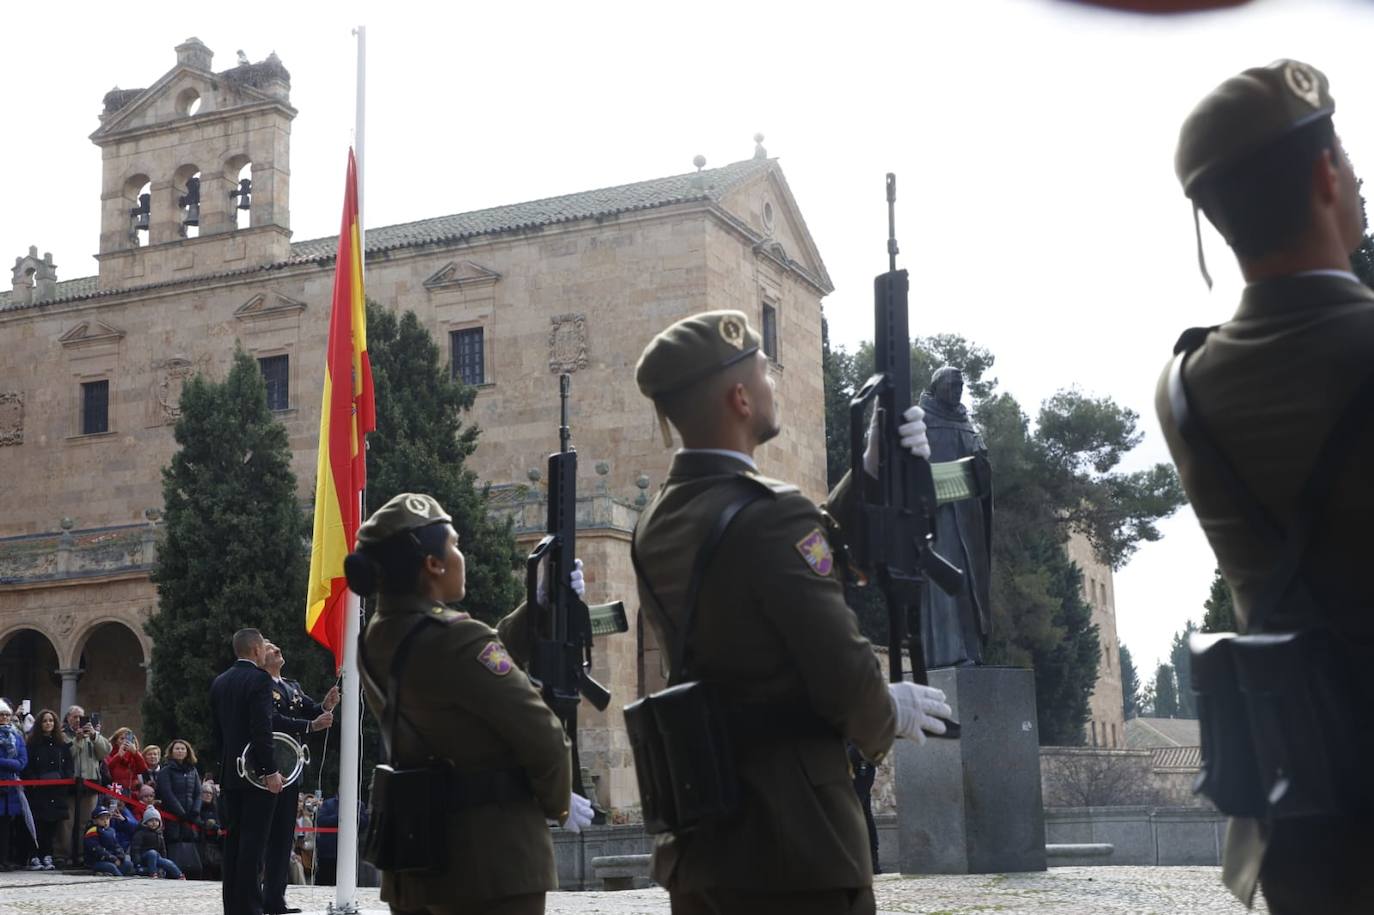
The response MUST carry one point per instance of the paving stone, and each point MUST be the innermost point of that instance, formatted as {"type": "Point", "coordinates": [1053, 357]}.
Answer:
{"type": "Point", "coordinates": [1060, 890]}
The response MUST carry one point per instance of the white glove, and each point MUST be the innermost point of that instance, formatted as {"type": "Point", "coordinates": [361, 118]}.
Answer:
{"type": "Point", "coordinates": [576, 580]}
{"type": "Point", "coordinates": [919, 710]}
{"type": "Point", "coordinates": [580, 815]}
{"type": "Point", "coordinates": [911, 433]}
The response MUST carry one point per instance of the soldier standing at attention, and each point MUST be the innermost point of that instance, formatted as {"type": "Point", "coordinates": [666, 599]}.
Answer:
{"type": "Point", "coordinates": [1260, 157]}
{"type": "Point", "coordinates": [461, 698]}
{"type": "Point", "coordinates": [296, 714]}
{"type": "Point", "coordinates": [772, 632]}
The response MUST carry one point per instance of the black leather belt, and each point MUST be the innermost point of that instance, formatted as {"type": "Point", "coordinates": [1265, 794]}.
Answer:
{"type": "Point", "coordinates": [492, 786]}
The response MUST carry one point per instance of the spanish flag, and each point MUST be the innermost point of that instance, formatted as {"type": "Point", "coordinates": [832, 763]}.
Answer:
{"type": "Point", "coordinates": [345, 419]}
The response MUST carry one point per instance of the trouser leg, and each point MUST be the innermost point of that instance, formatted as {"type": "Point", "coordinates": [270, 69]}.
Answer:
{"type": "Point", "coordinates": [280, 837]}
{"type": "Point", "coordinates": [247, 815]}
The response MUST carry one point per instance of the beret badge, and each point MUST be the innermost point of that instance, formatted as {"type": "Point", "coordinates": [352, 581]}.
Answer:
{"type": "Point", "coordinates": [732, 332]}
{"type": "Point", "coordinates": [1302, 82]}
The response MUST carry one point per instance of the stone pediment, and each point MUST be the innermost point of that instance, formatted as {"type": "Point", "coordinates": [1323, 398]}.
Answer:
{"type": "Point", "coordinates": [766, 205]}
{"type": "Point", "coordinates": [267, 305]}
{"type": "Point", "coordinates": [159, 104]}
{"type": "Point", "coordinates": [461, 274]}
{"type": "Point", "coordinates": [89, 333]}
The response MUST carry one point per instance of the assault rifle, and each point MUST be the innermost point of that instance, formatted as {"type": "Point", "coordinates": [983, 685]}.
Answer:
{"type": "Point", "coordinates": [893, 535]}
{"type": "Point", "coordinates": [561, 633]}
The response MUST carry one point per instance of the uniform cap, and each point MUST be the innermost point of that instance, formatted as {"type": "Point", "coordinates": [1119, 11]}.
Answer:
{"type": "Point", "coordinates": [693, 349]}
{"type": "Point", "coordinates": [1246, 113]}
{"type": "Point", "coordinates": [405, 512]}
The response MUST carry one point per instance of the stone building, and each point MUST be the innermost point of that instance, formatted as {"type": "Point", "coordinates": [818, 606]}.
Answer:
{"type": "Point", "coordinates": [1106, 722]}
{"type": "Point", "coordinates": [196, 254]}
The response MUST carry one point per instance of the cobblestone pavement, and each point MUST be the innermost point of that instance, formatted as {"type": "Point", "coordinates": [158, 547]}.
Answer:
{"type": "Point", "coordinates": [1062, 890]}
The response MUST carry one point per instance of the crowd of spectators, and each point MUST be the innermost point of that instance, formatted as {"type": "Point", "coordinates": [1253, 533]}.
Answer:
{"type": "Point", "coordinates": [153, 814]}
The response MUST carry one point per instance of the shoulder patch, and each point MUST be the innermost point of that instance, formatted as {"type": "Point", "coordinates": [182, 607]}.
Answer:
{"type": "Point", "coordinates": [815, 551]}
{"type": "Point", "coordinates": [495, 659]}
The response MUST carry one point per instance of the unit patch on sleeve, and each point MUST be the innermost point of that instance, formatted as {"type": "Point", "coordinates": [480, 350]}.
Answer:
{"type": "Point", "coordinates": [495, 659]}
{"type": "Point", "coordinates": [815, 549]}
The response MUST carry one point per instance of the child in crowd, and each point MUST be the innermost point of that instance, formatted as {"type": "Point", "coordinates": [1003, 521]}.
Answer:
{"type": "Point", "coordinates": [149, 851]}
{"type": "Point", "coordinates": [102, 850]}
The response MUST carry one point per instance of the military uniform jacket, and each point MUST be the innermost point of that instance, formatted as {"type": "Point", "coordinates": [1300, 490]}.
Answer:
{"type": "Point", "coordinates": [1269, 384]}
{"type": "Point", "coordinates": [240, 715]}
{"type": "Point", "coordinates": [470, 704]}
{"type": "Point", "coordinates": [772, 626]}
{"type": "Point", "coordinates": [295, 710]}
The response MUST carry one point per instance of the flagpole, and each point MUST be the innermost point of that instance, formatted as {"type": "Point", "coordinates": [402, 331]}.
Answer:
{"type": "Point", "coordinates": [346, 874]}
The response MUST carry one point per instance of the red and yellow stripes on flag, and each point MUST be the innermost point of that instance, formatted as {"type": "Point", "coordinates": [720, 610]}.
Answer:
{"type": "Point", "coordinates": [347, 416]}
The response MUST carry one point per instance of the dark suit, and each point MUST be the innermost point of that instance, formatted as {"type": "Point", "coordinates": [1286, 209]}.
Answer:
{"type": "Point", "coordinates": [293, 712]}
{"type": "Point", "coordinates": [1270, 384]}
{"type": "Point", "coordinates": [241, 714]}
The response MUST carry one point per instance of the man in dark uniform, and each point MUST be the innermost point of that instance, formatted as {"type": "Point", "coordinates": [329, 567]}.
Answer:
{"type": "Point", "coordinates": [298, 715]}
{"type": "Point", "coordinates": [241, 716]}
{"type": "Point", "coordinates": [1260, 157]}
{"type": "Point", "coordinates": [772, 633]}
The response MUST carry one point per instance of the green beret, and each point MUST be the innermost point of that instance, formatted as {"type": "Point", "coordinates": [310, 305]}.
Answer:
{"type": "Point", "coordinates": [695, 348]}
{"type": "Point", "coordinates": [1245, 114]}
{"type": "Point", "coordinates": [405, 512]}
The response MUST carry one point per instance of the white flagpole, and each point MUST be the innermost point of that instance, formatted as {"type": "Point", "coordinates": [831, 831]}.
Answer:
{"type": "Point", "coordinates": [346, 874]}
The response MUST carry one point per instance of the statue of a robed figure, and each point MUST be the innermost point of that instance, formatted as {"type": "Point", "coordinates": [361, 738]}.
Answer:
{"type": "Point", "coordinates": [955, 626]}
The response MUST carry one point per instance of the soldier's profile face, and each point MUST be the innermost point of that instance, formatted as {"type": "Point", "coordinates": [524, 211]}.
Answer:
{"type": "Point", "coordinates": [767, 417]}
{"type": "Point", "coordinates": [453, 581]}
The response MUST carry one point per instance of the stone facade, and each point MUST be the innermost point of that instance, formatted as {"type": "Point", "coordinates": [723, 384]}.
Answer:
{"type": "Point", "coordinates": [1106, 725]}
{"type": "Point", "coordinates": [577, 284]}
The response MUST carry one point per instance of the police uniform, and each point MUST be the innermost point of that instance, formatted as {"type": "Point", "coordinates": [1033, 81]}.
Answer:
{"type": "Point", "coordinates": [468, 702]}
{"type": "Point", "coordinates": [772, 631]}
{"type": "Point", "coordinates": [1270, 384]}
{"type": "Point", "coordinates": [294, 711]}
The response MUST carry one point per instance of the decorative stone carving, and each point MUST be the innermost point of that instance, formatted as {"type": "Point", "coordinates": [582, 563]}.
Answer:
{"type": "Point", "coordinates": [267, 306]}
{"type": "Point", "coordinates": [90, 333]}
{"type": "Point", "coordinates": [568, 343]}
{"type": "Point", "coordinates": [65, 625]}
{"type": "Point", "coordinates": [457, 274]}
{"type": "Point", "coordinates": [11, 418]}
{"type": "Point", "coordinates": [170, 377]}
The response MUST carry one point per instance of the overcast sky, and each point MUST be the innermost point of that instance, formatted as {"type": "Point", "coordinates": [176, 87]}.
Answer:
{"type": "Point", "coordinates": [1033, 142]}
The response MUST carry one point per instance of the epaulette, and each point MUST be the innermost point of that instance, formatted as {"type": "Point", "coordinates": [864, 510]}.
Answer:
{"type": "Point", "coordinates": [1192, 338]}
{"type": "Point", "coordinates": [775, 487]}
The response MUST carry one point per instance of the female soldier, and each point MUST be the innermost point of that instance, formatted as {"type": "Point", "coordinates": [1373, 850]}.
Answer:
{"type": "Point", "coordinates": [461, 698]}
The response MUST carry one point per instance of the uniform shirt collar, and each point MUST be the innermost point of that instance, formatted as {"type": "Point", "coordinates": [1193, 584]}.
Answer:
{"type": "Point", "coordinates": [1300, 291]}
{"type": "Point", "coordinates": [723, 452]}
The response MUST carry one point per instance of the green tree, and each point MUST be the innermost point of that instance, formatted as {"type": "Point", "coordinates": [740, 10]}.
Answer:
{"type": "Point", "coordinates": [1181, 660]}
{"type": "Point", "coordinates": [1048, 478]}
{"type": "Point", "coordinates": [422, 443]}
{"type": "Point", "coordinates": [837, 368]}
{"type": "Point", "coordinates": [232, 554]}
{"type": "Point", "coordinates": [1219, 610]}
{"type": "Point", "coordinates": [1130, 684]}
{"type": "Point", "coordinates": [1165, 692]}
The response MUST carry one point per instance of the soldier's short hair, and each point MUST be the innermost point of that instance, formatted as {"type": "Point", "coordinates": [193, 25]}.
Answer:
{"type": "Point", "coordinates": [245, 640]}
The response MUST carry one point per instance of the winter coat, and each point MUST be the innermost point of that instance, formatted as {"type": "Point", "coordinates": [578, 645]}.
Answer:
{"type": "Point", "coordinates": [146, 838]}
{"type": "Point", "coordinates": [124, 825]}
{"type": "Point", "coordinates": [14, 756]}
{"type": "Point", "coordinates": [101, 845]}
{"type": "Point", "coordinates": [49, 757]}
{"type": "Point", "coordinates": [124, 766]}
{"type": "Point", "coordinates": [178, 788]}
{"type": "Point", "coordinates": [87, 755]}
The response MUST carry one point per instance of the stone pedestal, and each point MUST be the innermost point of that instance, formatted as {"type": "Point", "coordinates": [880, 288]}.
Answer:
{"type": "Point", "coordinates": [973, 806]}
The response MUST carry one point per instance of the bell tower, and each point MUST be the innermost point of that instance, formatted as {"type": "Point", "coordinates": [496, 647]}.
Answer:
{"type": "Point", "coordinates": [196, 171]}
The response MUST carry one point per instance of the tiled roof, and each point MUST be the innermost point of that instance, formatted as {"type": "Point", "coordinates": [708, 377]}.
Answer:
{"type": "Point", "coordinates": [706, 185]}
{"type": "Point", "coordinates": [1148, 733]}
{"type": "Point", "coordinates": [1176, 758]}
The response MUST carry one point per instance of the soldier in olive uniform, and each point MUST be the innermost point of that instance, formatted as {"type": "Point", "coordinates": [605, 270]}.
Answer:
{"type": "Point", "coordinates": [463, 699]}
{"type": "Point", "coordinates": [1260, 157]}
{"type": "Point", "coordinates": [298, 715]}
{"type": "Point", "coordinates": [772, 633]}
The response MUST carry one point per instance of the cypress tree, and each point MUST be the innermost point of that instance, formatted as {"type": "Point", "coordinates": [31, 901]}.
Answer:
{"type": "Point", "coordinates": [232, 555]}
{"type": "Point", "coordinates": [1165, 692]}
{"type": "Point", "coordinates": [1130, 684]}
{"type": "Point", "coordinates": [1219, 611]}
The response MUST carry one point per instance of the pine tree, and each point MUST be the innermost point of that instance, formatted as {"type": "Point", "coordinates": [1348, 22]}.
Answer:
{"type": "Point", "coordinates": [422, 444]}
{"type": "Point", "coordinates": [233, 554]}
{"type": "Point", "coordinates": [1165, 692]}
{"type": "Point", "coordinates": [1130, 684]}
{"type": "Point", "coordinates": [1181, 660]}
{"type": "Point", "coordinates": [1220, 611]}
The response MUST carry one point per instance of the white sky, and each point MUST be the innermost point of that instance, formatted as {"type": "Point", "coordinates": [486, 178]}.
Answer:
{"type": "Point", "coordinates": [1032, 139]}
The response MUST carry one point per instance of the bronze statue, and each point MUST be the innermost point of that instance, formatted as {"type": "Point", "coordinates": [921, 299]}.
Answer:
{"type": "Point", "coordinates": [955, 627]}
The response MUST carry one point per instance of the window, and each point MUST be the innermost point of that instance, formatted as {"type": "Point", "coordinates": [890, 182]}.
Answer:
{"type": "Point", "coordinates": [276, 372]}
{"type": "Point", "coordinates": [1114, 733]}
{"type": "Point", "coordinates": [1094, 727]}
{"type": "Point", "coordinates": [95, 407]}
{"type": "Point", "coordinates": [466, 359]}
{"type": "Point", "coordinates": [770, 332]}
